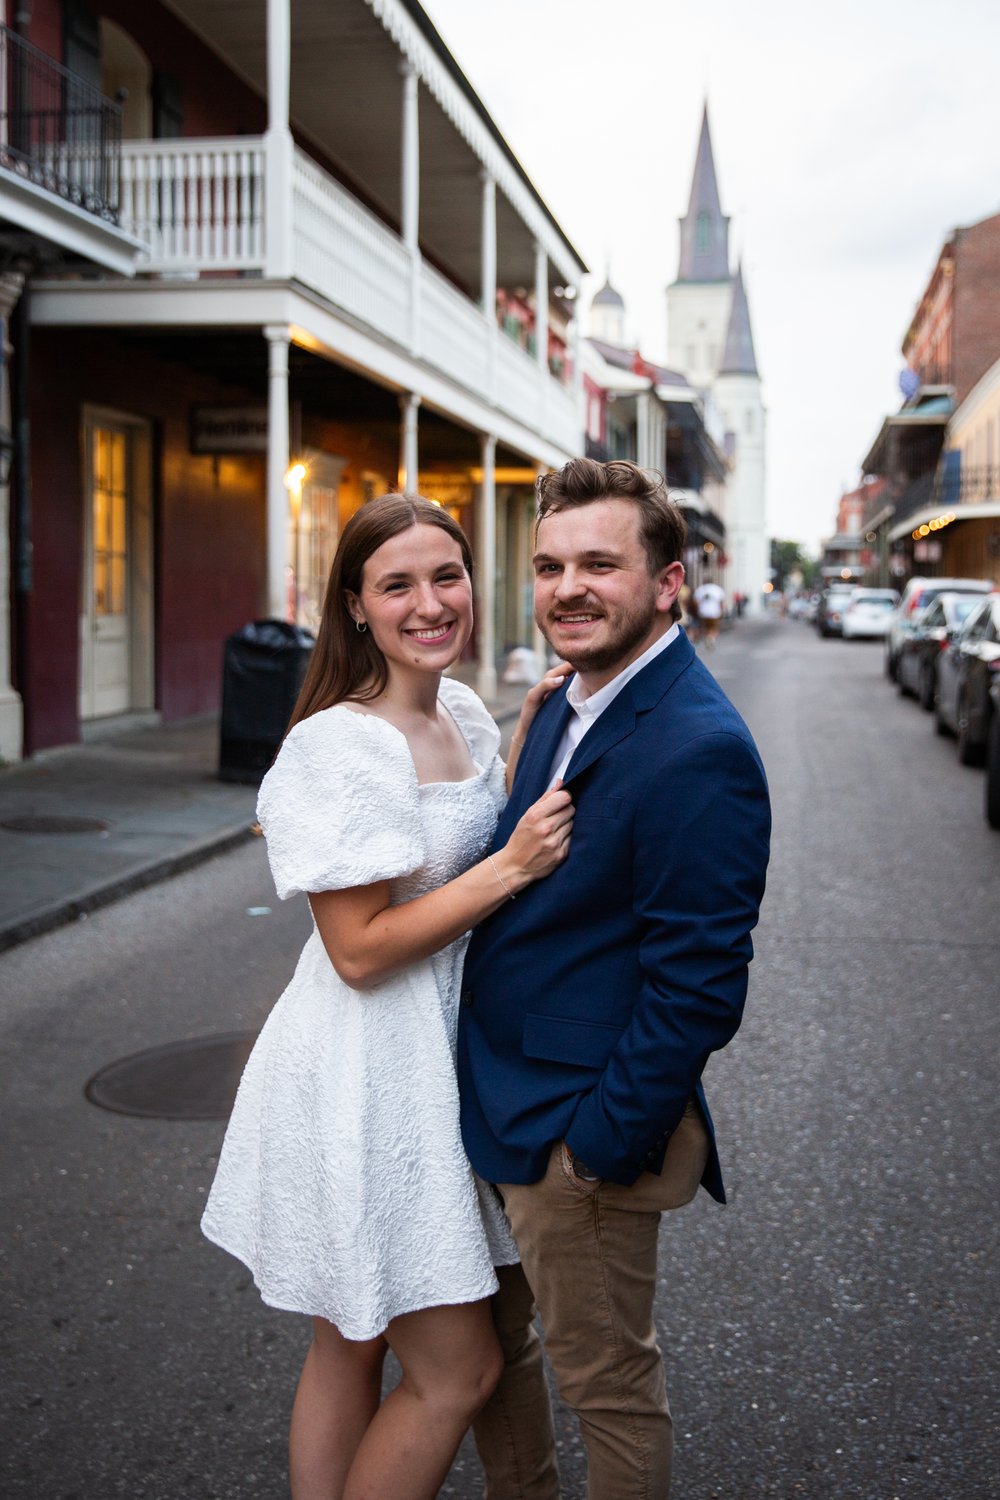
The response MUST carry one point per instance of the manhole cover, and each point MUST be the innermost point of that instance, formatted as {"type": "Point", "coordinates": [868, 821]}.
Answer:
{"type": "Point", "coordinates": [41, 824]}
{"type": "Point", "coordinates": [192, 1080]}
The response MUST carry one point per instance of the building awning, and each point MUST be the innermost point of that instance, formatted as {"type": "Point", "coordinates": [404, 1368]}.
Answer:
{"type": "Point", "coordinates": [987, 511]}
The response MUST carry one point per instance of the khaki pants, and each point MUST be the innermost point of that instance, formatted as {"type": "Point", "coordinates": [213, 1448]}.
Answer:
{"type": "Point", "coordinates": [588, 1261]}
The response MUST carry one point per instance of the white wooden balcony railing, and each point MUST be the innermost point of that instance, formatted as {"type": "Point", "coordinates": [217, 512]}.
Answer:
{"type": "Point", "coordinates": [200, 205]}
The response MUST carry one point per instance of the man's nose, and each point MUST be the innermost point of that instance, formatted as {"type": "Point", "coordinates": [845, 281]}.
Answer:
{"type": "Point", "coordinates": [569, 585]}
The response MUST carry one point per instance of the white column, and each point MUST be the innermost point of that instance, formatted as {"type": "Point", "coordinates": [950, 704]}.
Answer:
{"type": "Point", "coordinates": [486, 571]}
{"type": "Point", "coordinates": [576, 345]}
{"type": "Point", "coordinates": [11, 716]}
{"type": "Point", "coordinates": [279, 151]}
{"type": "Point", "coordinates": [542, 308]}
{"type": "Point", "coordinates": [489, 246]}
{"type": "Point", "coordinates": [408, 450]}
{"type": "Point", "coordinates": [410, 206]}
{"type": "Point", "coordinates": [538, 640]}
{"type": "Point", "coordinates": [488, 278]}
{"type": "Point", "coordinates": [277, 468]}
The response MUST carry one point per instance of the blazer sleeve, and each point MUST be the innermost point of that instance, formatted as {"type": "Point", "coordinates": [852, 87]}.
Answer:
{"type": "Point", "coordinates": [700, 838]}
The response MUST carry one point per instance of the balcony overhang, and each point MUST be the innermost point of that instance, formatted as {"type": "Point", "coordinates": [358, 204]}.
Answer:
{"type": "Point", "coordinates": [904, 428]}
{"type": "Point", "coordinates": [44, 217]}
{"type": "Point", "coordinates": [314, 325]}
{"type": "Point", "coordinates": [987, 511]}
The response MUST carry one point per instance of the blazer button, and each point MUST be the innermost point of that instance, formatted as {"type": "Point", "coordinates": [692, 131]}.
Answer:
{"type": "Point", "coordinates": [467, 997]}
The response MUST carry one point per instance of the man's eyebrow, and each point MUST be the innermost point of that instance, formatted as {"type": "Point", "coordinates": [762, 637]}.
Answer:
{"type": "Point", "coordinates": [595, 554]}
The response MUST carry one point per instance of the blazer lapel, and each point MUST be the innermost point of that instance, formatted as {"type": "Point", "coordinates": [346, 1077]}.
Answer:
{"type": "Point", "coordinates": [532, 774]}
{"type": "Point", "coordinates": [638, 696]}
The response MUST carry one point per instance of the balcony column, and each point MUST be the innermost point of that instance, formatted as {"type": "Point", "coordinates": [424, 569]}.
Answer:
{"type": "Point", "coordinates": [542, 308]}
{"type": "Point", "coordinates": [410, 206]}
{"type": "Point", "coordinates": [279, 151]}
{"type": "Point", "coordinates": [486, 571]}
{"type": "Point", "coordinates": [576, 352]}
{"type": "Point", "coordinates": [408, 463]}
{"type": "Point", "coordinates": [277, 336]}
{"type": "Point", "coordinates": [11, 718]}
{"type": "Point", "coordinates": [538, 641]}
{"type": "Point", "coordinates": [488, 277]}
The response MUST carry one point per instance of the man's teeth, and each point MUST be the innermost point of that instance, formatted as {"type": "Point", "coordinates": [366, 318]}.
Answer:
{"type": "Point", "coordinates": [575, 619]}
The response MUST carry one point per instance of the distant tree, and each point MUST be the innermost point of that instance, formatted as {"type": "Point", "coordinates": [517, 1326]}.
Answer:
{"type": "Point", "coordinates": [788, 558]}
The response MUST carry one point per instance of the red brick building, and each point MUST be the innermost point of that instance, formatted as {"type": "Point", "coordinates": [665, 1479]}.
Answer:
{"type": "Point", "coordinates": [954, 337]}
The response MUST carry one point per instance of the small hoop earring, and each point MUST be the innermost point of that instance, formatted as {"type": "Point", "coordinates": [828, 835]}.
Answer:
{"type": "Point", "coordinates": [361, 626]}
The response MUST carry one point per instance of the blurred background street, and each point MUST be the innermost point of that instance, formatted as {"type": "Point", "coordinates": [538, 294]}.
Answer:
{"type": "Point", "coordinates": [831, 1334]}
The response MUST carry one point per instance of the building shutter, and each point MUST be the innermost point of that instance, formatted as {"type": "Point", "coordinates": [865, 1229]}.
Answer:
{"type": "Point", "coordinates": [82, 42]}
{"type": "Point", "coordinates": [167, 112]}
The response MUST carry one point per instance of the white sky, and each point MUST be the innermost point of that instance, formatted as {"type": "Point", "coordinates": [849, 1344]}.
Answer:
{"type": "Point", "coordinates": [848, 141]}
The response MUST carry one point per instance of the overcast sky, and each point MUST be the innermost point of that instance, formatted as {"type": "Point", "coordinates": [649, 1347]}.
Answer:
{"type": "Point", "coordinates": [848, 141]}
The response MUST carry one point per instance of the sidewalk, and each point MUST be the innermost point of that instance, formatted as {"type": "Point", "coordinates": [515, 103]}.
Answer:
{"type": "Point", "coordinates": [159, 809]}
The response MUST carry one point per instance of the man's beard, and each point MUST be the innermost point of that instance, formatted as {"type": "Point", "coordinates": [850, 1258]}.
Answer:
{"type": "Point", "coordinates": [630, 629]}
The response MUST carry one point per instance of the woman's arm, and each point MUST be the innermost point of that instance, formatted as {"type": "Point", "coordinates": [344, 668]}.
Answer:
{"type": "Point", "coordinates": [367, 939]}
{"type": "Point", "coordinates": [533, 701]}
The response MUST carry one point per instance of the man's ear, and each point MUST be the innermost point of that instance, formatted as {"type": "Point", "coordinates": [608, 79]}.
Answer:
{"type": "Point", "coordinates": [669, 586]}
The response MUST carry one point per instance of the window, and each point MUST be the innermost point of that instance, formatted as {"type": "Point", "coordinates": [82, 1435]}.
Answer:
{"type": "Point", "coordinates": [110, 508]}
{"type": "Point", "coordinates": [703, 234]}
{"type": "Point", "coordinates": [748, 421]}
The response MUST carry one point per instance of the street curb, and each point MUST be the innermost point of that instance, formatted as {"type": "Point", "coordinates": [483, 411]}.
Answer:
{"type": "Point", "coordinates": [70, 908]}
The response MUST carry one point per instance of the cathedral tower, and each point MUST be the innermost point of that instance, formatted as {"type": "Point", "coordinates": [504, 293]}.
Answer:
{"type": "Point", "coordinates": [709, 339]}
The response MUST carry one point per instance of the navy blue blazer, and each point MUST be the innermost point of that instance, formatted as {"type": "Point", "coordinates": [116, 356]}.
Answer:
{"type": "Point", "coordinates": [591, 1003]}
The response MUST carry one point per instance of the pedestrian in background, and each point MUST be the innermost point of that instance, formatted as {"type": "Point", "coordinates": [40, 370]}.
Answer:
{"type": "Point", "coordinates": [711, 601]}
{"type": "Point", "coordinates": [592, 1004]}
{"type": "Point", "coordinates": [342, 1183]}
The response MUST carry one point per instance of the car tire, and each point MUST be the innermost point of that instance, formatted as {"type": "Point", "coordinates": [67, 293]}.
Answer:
{"type": "Point", "coordinates": [970, 751]}
{"type": "Point", "coordinates": [940, 727]}
{"type": "Point", "coordinates": [927, 689]}
{"type": "Point", "coordinates": [890, 667]}
{"type": "Point", "coordinates": [992, 798]}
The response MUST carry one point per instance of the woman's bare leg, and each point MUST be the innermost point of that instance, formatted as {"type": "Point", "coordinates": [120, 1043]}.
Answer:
{"type": "Point", "coordinates": [337, 1398]}
{"type": "Point", "coordinates": [451, 1362]}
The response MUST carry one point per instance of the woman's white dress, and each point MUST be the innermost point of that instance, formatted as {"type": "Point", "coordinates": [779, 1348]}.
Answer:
{"type": "Point", "coordinates": [343, 1184]}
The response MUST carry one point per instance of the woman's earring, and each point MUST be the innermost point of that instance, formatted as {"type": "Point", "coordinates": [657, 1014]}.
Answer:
{"type": "Point", "coordinates": [361, 626]}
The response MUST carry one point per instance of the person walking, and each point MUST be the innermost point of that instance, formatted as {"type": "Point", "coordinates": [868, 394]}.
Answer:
{"type": "Point", "coordinates": [592, 1003]}
{"type": "Point", "coordinates": [342, 1182]}
{"type": "Point", "coordinates": [711, 601]}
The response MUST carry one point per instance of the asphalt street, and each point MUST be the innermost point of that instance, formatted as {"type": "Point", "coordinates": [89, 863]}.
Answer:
{"type": "Point", "coordinates": [830, 1334]}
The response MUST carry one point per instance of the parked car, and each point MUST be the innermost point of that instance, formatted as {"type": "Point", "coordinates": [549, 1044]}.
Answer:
{"type": "Point", "coordinates": [867, 614]}
{"type": "Point", "coordinates": [933, 630]}
{"type": "Point", "coordinates": [992, 799]}
{"type": "Point", "coordinates": [966, 672]}
{"type": "Point", "coordinates": [829, 611]}
{"type": "Point", "coordinates": [917, 594]}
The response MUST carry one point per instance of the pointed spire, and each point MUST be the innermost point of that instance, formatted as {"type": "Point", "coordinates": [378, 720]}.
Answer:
{"type": "Point", "coordinates": [704, 228]}
{"type": "Point", "coordinates": [739, 357]}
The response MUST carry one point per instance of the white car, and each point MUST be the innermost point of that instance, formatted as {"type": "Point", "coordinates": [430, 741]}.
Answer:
{"type": "Point", "coordinates": [867, 613]}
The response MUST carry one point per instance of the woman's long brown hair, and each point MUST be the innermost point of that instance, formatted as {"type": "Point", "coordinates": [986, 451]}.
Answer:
{"type": "Point", "coordinates": [345, 662]}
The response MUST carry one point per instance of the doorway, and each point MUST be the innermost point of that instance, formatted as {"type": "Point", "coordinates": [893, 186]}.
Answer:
{"type": "Point", "coordinates": [116, 620]}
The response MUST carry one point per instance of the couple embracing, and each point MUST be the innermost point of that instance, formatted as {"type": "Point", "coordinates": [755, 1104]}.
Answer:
{"type": "Point", "coordinates": [435, 1139]}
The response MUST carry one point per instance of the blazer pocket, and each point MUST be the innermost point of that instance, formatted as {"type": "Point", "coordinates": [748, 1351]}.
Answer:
{"type": "Point", "coordinates": [588, 1044]}
{"type": "Point", "coordinates": [598, 807]}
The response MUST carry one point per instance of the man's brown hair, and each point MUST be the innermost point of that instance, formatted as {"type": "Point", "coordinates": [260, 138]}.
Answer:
{"type": "Point", "coordinates": [662, 528]}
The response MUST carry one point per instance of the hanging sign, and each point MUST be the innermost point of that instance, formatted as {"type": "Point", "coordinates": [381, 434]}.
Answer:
{"type": "Point", "coordinates": [229, 429]}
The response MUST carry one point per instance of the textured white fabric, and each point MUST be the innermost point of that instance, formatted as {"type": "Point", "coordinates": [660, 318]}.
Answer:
{"type": "Point", "coordinates": [343, 1184]}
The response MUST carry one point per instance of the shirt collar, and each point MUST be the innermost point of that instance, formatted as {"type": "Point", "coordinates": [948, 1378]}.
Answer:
{"type": "Point", "coordinates": [588, 707]}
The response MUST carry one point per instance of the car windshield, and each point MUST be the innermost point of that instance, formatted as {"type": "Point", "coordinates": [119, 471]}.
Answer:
{"type": "Point", "coordinates": [961, 609]}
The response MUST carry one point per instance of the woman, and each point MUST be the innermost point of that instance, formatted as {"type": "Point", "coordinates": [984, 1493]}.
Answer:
{"type": "Point", "coordinates": [342, 1182]}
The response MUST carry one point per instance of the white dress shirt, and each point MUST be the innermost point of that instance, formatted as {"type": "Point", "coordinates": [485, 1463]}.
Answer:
{"type": "Point", "coordinates": [588, 709]}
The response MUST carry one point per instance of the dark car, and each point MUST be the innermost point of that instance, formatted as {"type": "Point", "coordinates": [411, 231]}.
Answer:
{"type": "Point", "coordinates": [966, 672]}
{"type": "Point", "coordinates": [933, 630]}
{"type": "Point", "coordinates": [992, 801]}
{"type": "Point", "coordinates": [830, 610]}
{"type": "Point", "coordinates": [918, 593]}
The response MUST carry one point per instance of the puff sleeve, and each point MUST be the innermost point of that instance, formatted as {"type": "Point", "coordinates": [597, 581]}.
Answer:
{"type": "Point", "coordinates": [340, 806]}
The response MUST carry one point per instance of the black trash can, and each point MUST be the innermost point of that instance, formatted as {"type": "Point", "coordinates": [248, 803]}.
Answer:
{"type": "Point", "coordinates": [263, 668]}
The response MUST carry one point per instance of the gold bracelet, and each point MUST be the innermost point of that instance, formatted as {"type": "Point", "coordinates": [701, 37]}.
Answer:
{"type": "Point", "coordinates": [500, 878]}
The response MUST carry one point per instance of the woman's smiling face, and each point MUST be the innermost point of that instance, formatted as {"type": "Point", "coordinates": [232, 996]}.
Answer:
{"type": "Point", "coordinates": [416, 599]}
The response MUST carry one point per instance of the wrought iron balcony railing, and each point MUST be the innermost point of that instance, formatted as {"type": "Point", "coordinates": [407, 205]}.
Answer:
{"type": "Point", "coordinates": [56, 130]}
{"type": "Point", "coordinates": [965, 484]}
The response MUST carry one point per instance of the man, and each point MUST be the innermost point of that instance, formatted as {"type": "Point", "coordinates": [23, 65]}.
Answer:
{"type": "Point", "coordinates": [710, 598]}
{"type": "Point", "coordinates": [591, 1003]}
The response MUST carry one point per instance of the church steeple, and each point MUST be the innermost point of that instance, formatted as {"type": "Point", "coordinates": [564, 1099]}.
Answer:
{"type": "Point", "coordinates": [739, 357]}
{"type": "Point", "coordinates": [704, 228]}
